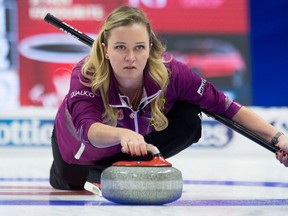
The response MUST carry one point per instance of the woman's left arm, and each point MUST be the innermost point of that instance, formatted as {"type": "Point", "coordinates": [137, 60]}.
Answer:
{"type": "Point", "coordinates": [256, 124]}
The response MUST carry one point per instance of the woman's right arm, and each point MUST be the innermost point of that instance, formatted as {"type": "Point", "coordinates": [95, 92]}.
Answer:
{"type": "Point", "coordinates": [86, 110]}
{"type": "Point", "coordinates": [103, 136]}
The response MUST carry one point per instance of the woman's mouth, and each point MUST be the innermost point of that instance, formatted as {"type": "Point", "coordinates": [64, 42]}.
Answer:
{"type": "Point", "coordinates": [129, 67]}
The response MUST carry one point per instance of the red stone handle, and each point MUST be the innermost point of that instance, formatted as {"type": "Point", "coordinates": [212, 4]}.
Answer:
{"type": "Point", "coordinates": [157, 161]}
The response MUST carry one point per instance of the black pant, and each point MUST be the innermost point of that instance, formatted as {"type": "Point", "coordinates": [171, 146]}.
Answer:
{"type": "Point", "coordinates": [183, 130]}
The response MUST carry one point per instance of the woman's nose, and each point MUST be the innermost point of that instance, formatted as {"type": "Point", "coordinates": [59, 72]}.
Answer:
{"type": "Point", "coordinates": [130, 56]}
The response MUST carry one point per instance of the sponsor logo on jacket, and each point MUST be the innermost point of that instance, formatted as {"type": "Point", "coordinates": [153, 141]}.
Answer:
{"type": "Point", "coordinates": [82, 93]}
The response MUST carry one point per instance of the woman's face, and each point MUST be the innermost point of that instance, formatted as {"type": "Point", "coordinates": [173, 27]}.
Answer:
{"type": "Point", "coordinates": [128, 49]}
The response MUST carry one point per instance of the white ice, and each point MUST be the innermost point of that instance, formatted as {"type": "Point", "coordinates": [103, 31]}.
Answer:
{"type": "Point", "coordinates": [216, 182]}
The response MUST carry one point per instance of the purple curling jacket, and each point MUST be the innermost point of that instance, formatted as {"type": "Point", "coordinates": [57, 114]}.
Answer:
{"type": "Point", "coordinates": [81, 108]}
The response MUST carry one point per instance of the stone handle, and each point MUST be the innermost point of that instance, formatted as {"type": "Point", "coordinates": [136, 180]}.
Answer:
{"type": "Point", "coordinates": [153, 150]}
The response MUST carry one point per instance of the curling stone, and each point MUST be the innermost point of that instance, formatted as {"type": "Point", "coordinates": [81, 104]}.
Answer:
{"type": "Point", "coordinates": [153, 182]}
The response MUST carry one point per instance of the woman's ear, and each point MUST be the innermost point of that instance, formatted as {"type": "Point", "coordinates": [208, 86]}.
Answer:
{"type": "Point", "coordinates": [104, 48]}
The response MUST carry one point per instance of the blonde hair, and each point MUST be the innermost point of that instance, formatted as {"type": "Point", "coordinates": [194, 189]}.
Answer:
{"type": "Point", "coordinates": [97, 68]}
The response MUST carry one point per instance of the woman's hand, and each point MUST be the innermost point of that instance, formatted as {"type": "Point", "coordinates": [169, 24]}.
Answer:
{"type": "Point", "coordinates": [133, 143]}
{"type": "Point", "coordinates": [282, 154]}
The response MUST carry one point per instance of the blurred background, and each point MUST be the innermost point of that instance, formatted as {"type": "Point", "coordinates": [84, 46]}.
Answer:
{"type": "Point", "coordinates": [239, 45]}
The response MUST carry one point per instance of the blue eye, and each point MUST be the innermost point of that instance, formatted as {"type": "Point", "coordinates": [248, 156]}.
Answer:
{"type": "Point", "coordinates": [120, 47]}
{"type": "Point", "coordinates": [140, 47]}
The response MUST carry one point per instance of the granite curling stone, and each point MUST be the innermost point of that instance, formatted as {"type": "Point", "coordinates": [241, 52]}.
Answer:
{"type": "Point", "coordinates": [153, 182]}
